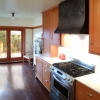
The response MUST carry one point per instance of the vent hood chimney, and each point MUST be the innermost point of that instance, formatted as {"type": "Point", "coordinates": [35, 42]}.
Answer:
{"type": "Point", "coordinates": [73, 17]}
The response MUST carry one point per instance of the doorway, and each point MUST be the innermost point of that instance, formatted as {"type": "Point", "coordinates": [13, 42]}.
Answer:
{"type": "Point", "coordinates": [11, 45]}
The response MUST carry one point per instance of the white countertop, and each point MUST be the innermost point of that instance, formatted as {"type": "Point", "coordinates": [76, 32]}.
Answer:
{"type": "Point", "coordinates": [51, 60]}
{"type": "Point", "coordinates": [91, 80]}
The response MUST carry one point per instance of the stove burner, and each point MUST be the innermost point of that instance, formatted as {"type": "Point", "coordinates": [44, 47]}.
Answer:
{"type": "Point", "coordinates": [73, 69]}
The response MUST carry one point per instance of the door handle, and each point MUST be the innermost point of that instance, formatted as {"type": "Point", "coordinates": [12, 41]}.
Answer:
{"type": "Point", "coordinates": [60, 81]}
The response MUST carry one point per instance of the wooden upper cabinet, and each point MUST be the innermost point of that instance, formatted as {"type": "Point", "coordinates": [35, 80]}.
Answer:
{"type": "Point", "coordinates": [46, 32]}
{"type": "Point", "coordinates": [50, 39]}
{"type": "Point", "coordinates": [65, 40]}
{"type": "Point", "coordinates": [94, 26]}
{"type": "Point", "coordinates": [55, 37]}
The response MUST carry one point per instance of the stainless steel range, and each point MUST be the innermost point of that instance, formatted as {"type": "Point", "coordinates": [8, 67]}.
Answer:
{"type": "Point", "coordinates": [62, 78]}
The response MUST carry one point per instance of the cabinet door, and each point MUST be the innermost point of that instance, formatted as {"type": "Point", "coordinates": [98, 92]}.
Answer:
{"type": "Point", "coordinates": [85, 93]}
{"type": "Point", "coordinates": [46, 32]}
{"type": "Point", "coordinates": [81, 96]}
{"type": "Point", "coordinates": [65, 40]}
{"type": "Point", "coordinates": [94, 46]}
{"type": "Point", "coordinates": [55, 38]}
{"type": "Point", "coordinates": [39, 67]}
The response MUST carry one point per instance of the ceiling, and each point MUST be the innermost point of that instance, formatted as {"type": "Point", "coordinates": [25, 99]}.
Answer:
{"type": "Point", "coordinates": [27, 9]}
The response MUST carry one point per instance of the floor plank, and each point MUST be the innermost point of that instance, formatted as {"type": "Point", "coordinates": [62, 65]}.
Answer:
{"type": "Point", "coordinates": [18, 82]}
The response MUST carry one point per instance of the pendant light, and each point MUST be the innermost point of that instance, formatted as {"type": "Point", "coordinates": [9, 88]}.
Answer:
{"type": "Point", "coordinates": [13, 17]}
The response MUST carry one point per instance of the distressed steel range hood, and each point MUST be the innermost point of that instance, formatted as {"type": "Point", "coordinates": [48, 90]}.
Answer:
{"type": "Point", "coordinates": [73, 17]}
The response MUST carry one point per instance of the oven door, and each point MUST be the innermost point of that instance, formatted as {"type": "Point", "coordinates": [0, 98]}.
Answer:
{"type": "Point", "coordinates": [60, 90]}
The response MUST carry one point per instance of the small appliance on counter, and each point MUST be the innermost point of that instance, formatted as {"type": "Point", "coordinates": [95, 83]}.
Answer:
{"type": "Point", "coordinates": [62, 56]}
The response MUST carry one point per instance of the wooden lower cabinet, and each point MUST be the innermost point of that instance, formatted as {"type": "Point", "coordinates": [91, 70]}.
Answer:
{"type": "Point", "coordinates": [44, 71]}
{"type": "Point", "coordinates": [85, 93]}
{"type": "Point", "coordinates": [39, 69]}
{"type": "Point", "coordinates": [46, 75]}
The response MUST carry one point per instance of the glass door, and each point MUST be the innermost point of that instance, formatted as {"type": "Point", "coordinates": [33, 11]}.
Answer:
{"type": "Point", "coordinates": [11, 45]}
{"type": "Point", "coordinates": [15, 45]}
{"type": "Point", "coordinates": [3, 45]}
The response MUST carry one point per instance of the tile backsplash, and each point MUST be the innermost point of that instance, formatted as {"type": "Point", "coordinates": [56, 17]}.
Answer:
{"type": "Point", "coordinates": [79, 48]}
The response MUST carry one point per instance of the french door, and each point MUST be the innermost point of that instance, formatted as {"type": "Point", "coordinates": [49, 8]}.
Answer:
{"type": "Point", "coordinates": [11, 45]}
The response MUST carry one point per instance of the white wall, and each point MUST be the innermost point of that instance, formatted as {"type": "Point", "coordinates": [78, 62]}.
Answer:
{"type": "Point", "coordinates": [79, 48]}
{"type": "Point", "coordinates": [21, 22]}
{"type": "Point", "coordinates": [37, 32]}
{"type": "Point", "coordinates": [16, 22]}
{"type": "Point", "coordinates": [29, 39]}
{"type": "Point", "coordinates": [37, 21]}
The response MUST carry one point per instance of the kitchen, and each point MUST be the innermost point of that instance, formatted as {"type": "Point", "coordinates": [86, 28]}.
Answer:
{"type": "Point", "coordinates": [78, 47]}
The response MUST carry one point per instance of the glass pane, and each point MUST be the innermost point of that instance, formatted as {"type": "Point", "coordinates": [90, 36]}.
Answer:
{"type": "Point", "coordinates": [15, 43]}
{"type": "Point", "coordinates": [3, 44]}
{"type": "Point", "coordinates": [62, 89]}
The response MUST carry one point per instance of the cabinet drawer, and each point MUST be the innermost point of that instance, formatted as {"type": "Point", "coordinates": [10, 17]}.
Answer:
{"type": "Point", "coordinates": [46, 65]}
{"type": "Point", "coordinates": [46, 83]}
{"type": "Point", "coordinates": [46, 70]}
{"type": "Point", "coordinates": [46, 73]}
{"type": "Point", "coordinates": [89, 93]}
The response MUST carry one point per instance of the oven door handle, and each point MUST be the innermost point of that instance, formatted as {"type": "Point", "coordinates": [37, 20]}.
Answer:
{"type": "Point", "coordinates": [59, 81]}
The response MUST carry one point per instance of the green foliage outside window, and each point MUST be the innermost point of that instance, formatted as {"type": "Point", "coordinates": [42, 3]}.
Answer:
{"type": "Point", "coordinates": [14, 39]}
{"type": "Point", "coordinates": [3, 40]}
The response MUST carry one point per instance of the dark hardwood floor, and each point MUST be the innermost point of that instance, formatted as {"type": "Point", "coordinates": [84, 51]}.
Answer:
{"type": "Point", "coordinates": [18, 82]}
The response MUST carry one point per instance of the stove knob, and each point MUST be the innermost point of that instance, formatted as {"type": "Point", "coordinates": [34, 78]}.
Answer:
{"type": "Point", "coordinates": [68, 79]}
{"type": "Point", "coordinates": [71, 81]}
{"type": "Point", "coordinates": [51, 68]}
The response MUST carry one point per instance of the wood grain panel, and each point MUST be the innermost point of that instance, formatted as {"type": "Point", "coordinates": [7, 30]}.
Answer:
{"type": "Point", "coordinates": [46, 75]}
{"type": "Point", "coordinates": [85, 93]}
{"type": "Point", "coordinates": [65, 40]}
{"type": "Point", "coordinates": [39, 69]}
{"type": "Point", "coordinates": [55, 37]}
{"type": "Point", "coordinates": [46, 32]}
{"type": "Point", "coordinates": [94, 46]}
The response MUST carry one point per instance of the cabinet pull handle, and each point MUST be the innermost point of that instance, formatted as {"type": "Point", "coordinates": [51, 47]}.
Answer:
{"type": "Point", "coordinates": [45, 70]}
{"type": "Point", "coordinates": [90, 95]}
{"type": "Point", "coordinates": [91, 42]}
{"type": "Point", "coordinates": [46, 80]}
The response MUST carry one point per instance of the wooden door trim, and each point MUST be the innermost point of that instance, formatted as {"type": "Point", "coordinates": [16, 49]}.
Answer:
{"type": "Point", "coordinates": [8, 40]}
{"type": "Point", "coordinates": [20, 27]}
{"type": "Point", "coordinates": [22, 43]}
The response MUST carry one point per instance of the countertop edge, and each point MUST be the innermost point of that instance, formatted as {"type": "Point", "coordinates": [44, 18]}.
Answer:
{"type": "Point", "coordinates": [51, 60]}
